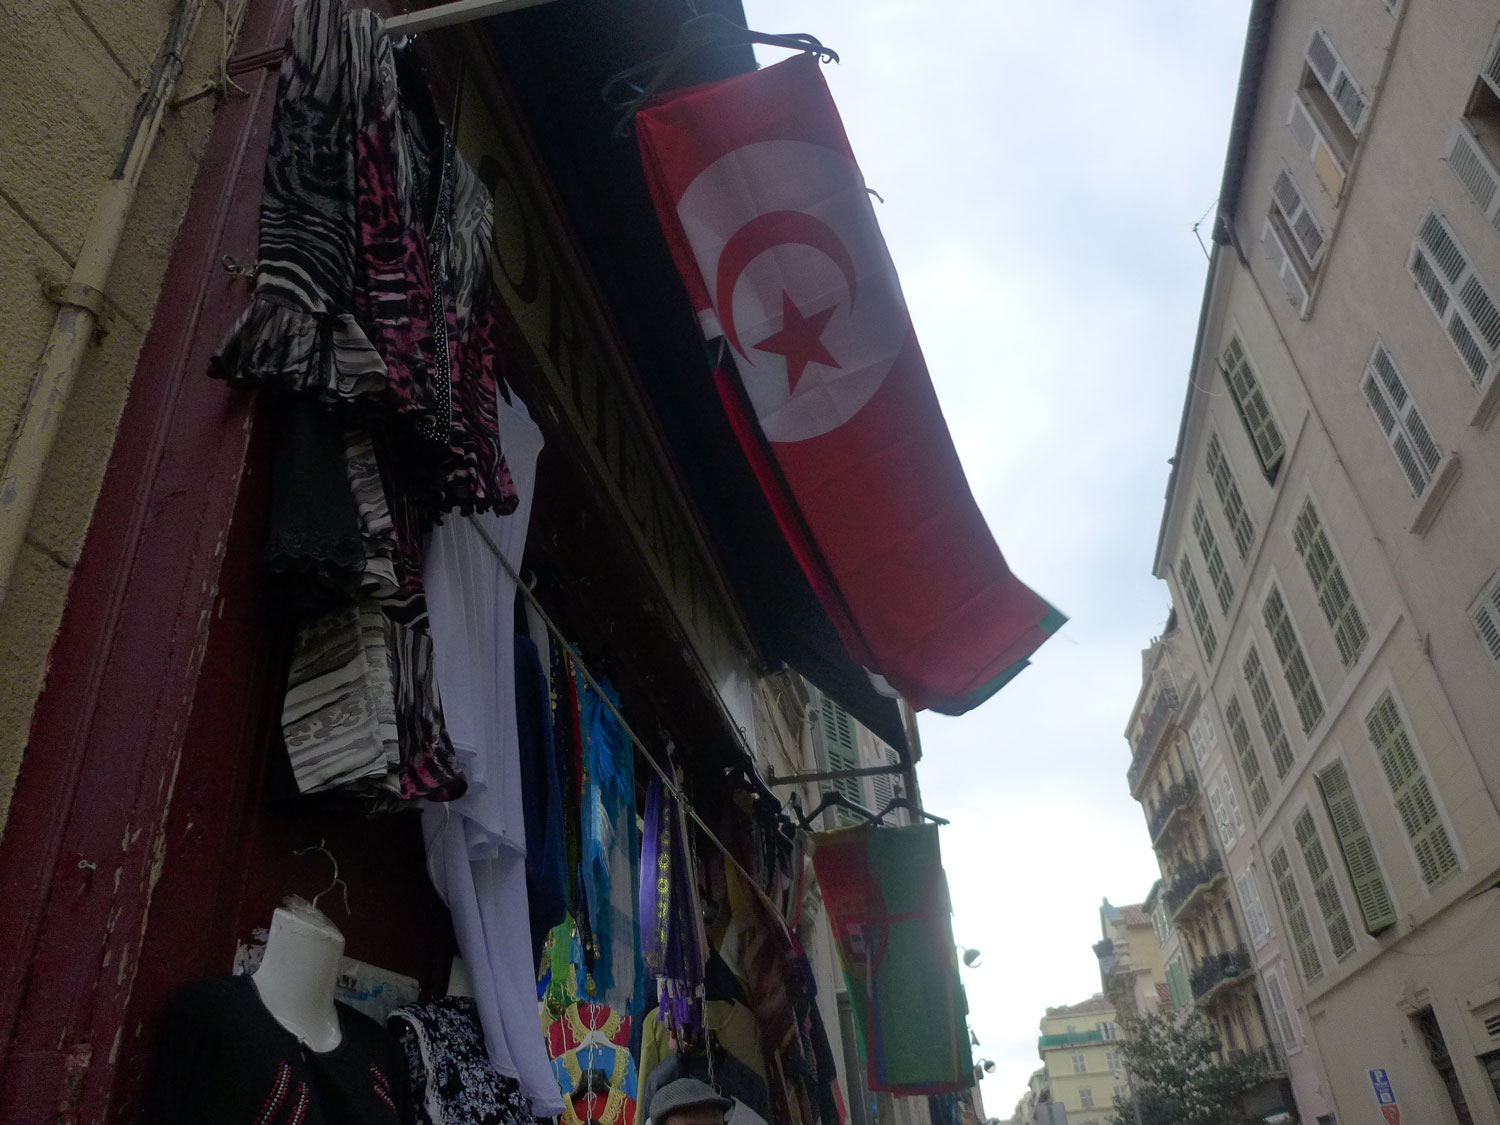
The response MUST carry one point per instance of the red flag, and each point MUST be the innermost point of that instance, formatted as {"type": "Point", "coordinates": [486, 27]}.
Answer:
{"type": "Point", "coordinates": [773, 232]}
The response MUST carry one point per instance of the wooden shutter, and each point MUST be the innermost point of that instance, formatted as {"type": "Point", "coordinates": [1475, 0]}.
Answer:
{"type": "Point", "coordinates": [1396, 414]}
{"type": "Point", "coordinates": [1475, 171]}
{"type": "Point", "coordinates": [1485, 613]}
{"type": "Point", "coordinates": [1325, 886]}
{"type": "Point", "coordinates": [1459, 298]}
{"type": "Point", "coordinates": [1284, 269]}
{"type": "Point", "coordinates": [1415, 804]}
{"type": "Point", "coordinates": [1221, 815]}
{"type": "Point", "coordinates": [1306, 231]}
{"type": "Point", "coordinates": [1358, 849]}
{"type": "Point", "coordinates": [1336, 80]}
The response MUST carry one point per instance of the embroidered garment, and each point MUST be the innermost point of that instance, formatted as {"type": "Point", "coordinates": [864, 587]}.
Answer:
{"type": "Point", "coordinates": [452, 1081]}
{"type": "Point", "coordinates": [223, 1058]}
{"type": "Point", "coordinates": [590, 1048]}
{"type": "Point", "coordinates": [672, 940]}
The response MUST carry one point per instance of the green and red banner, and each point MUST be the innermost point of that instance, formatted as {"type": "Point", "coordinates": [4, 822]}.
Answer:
{"type": "Point", "coordinates": [887, 899]}
{"type": "Point", "coordinates": [774, 235]}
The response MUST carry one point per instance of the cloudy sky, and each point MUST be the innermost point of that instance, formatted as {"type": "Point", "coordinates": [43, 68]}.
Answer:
{"type": "Point", "coordinates": [1043, 165]}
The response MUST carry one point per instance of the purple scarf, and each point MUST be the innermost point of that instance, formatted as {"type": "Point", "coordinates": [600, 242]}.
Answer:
{"type": "Point", "coordinates": [671, 946]}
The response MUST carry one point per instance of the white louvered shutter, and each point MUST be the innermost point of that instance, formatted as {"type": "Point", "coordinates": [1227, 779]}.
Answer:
{"type": "Point", "coordinates": [1221, 815]}
{"type": "Point", "coordinates": [1281, 1010]}
{"type": "Point", "coordinates": [1491, 71]}
{"type": "Point", "coordinates": [1281, 265]}
{"type": "Point", "coordinates": [1306, 231]}
{"type": "Point", "coordinates": [1336, 79]}
{"type": "Point", "coordinates": [1485, 613]}
{"type": "Point", "coordinates": [1415, 804]}
{"type": "Point", "coordinates": [840, 751]}
{"type": "Point", "coordinates": [1358, 849]}
{"type": "Point", "coordinates": [883, 788]}
{"type": "Point", "coordinates": [1458, 297]}
{"type": "Point", "coordinates": [1255, 911]}
{"type": "Point", "coordinates": [1475, 171]}
{"type": "Point", "coordinates": [1396, 414]}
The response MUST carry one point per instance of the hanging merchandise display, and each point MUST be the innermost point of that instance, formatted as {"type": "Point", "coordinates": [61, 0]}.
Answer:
{"type": "Point", "coordinates": [774, 235]}
{"type": "Point", "coordinates": [452, 1081]}
{"type": "Point", "coordinates": [275, 1046]}
{"type": "Point", "coordinates": [887, 897]}
{"type": "Point", "coordinates": [671, 919]}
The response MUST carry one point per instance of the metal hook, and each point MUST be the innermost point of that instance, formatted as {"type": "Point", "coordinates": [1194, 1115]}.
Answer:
{"type": "Point", "coordinates": [321, 846]}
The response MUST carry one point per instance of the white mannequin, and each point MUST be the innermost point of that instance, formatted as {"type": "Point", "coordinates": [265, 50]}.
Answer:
{"type": "Point", "coordinates": [297, 976]}
{"type": "Point", "coordinates": [459, 981]}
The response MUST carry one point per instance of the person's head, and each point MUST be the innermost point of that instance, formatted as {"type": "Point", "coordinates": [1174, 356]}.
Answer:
{"type": "Point", "coordinates": [688, 1102]}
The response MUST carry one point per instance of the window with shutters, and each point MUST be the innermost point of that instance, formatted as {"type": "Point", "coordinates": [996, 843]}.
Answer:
{"type": "Point", "coordinates": [1327, 113]}
{"type": "Point", "coordinates": [1473, 151]}
{"type": "Point", "coordinates": [1202, 735]}
{"type": "Point", "coordinates": [1332, 590]}
{"type": "Point", "coordinates": [1396, 414]}
{"type": "Point", "coordinates": [1086, 1097]}
{"type": "Point", "coordinates": [1253, 408]}
{"type": "Point", "coordinates": [839, 750]}
{"type": "Point", "coordinates": [1231, 503]}
{"type": "Point", "coordinates": [1080, 1064]}
{"type": "Point", "coordinates": [1283, 1014]}
{"type": "Point", "coordinates": [1244, 750]}
{"type": "Point", "coordinates": [1232, 805]}
{"type": "Point", "coordinates": [1416, 806]}
{"type": "Point", "coordinates": [1485, 613]}
{"type": "Point", "coordinates": [1296, 918]}
{"type": "Point", "coordinates": [1325, 886]}
{"type": "Point", "coordinates": [1255, 912]}
{"type": "Point", "coordinates": [884, 787]}
{"type": "Point", "coordinates": [1457, 295]}
{"type": "Point", "coordinates": [1221, 815]}
{"type": "Point", "coordinates": [1218, 574]}
{"type": "Point", "coordinates": [1197, 610]}
{"type": "Point", "coordinates": [1268, 713]}
{"type": "Point", "coordinates": [1293, 660]}
{"type": "Point", "coordinates": [1358, 850]}
{"type": "Point", "coordinates": [1284, 267]}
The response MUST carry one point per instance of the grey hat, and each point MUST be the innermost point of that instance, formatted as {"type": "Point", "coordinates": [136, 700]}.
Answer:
{"type": "Point", "coordinates": [683, 1093]}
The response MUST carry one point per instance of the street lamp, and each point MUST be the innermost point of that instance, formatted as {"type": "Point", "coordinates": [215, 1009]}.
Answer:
{"type": "Point", "coordinates": [972, 957]}
{"type": "Point", "coordinates": [983, 1067]}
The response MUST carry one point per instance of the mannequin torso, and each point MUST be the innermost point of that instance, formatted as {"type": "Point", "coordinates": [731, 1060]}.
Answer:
{"type": "Point", "coordinates": [296, 979]}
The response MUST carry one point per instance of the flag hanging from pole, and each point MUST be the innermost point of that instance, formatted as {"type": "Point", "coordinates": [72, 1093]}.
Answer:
{"type": "Point", "coordinates": [887, 900]}
{"type": "Point", "coordinates": [773, 232]}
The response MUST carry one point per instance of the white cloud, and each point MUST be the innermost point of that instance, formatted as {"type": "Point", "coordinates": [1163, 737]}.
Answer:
{"type": "Point", "coordinates": [1043, 165]}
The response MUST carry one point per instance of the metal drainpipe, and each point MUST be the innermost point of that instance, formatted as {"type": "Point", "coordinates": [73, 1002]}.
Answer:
{"type": "Point", "coordinates": [81, 299]}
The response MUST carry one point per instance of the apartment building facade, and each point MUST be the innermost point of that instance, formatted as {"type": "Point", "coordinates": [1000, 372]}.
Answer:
{"type": "Point", "coordinates": [1080, 1049]}
{"type": "Point", "coordinates": [1331, 537]}
{"type": "Point", "coordinates": [1132, 965]}
{"type": "Point", "coordinates": [1181, 791]}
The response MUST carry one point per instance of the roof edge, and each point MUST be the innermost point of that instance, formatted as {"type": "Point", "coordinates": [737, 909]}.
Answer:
{"type": "Point", "coordinates": [1246, 102]}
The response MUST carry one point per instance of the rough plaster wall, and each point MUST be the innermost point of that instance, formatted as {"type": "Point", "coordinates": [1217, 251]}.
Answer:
{"type": "Point", "coordinates": [70, 74]}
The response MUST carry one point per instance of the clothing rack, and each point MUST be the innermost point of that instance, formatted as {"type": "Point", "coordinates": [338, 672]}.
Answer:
{"type": "Point", "coordinates": [668, 782]}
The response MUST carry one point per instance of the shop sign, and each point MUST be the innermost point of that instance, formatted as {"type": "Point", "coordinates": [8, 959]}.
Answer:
{"type": "Point", "coordinates": [567, 343]}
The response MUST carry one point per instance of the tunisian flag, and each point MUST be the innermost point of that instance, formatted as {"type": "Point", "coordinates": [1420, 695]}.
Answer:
{"type": "Point", "coordinates": [774, 234]}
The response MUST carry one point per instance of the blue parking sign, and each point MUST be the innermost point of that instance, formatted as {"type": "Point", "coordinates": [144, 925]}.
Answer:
{"type": "Point", "coordinates": [1384, 1095]}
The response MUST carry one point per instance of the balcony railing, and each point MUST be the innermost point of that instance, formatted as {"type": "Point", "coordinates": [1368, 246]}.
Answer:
{"type": "Point", "coordinates": [1071, 1039]}
{"type": "Point", "coordinates": [1156, 722]}
{"type": "Point", "coordinates": [1188, 879]}
{"type": "Point", "coordinates": [1218, 968]}
{"type": "Point", "coordinates": [1178, 794]}
{"type": "Point", "coordinates": [1267, 1060]}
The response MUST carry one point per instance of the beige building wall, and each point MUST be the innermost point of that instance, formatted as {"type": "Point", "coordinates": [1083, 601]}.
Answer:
{"type": "Point", "coordinates": [1131, 962]}
{"type": "Point", "coordinates": [1080, 1051]}
{"type": "Point", "coordinates": [70, 75]}
{"type": "Point", "coordinates": [1398, 972]}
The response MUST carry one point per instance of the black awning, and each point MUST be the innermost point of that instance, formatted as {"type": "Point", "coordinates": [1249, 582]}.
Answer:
{"type": "Point", "coordinates": [556, 60]}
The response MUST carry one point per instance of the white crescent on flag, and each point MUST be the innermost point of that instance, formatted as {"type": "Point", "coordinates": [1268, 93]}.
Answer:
{"type": "Point", "coordinates": [802, 284]}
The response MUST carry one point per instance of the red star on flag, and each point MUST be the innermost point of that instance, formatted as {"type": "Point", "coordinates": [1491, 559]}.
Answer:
{"type": "Point", "coordinates": [800, 340]}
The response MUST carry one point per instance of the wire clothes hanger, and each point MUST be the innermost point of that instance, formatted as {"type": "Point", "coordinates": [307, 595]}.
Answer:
{"type": "Point", "coordinates": [337, 881]}
{"type": "Point", "coordinates": [633, 87]}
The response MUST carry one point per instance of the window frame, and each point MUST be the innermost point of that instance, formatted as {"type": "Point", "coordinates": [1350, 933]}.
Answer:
{"type": "Point", "coordinates": [1292, 911]}
{"type": "Point", "coordinates": [1282, 185]}
{"type": "Point", "coordinates": [1203, 627]}
{"type": "Point", "coordinates": [1207, 539]}
{"type": "Point", "coordinates": [1241, 524]}
{"type": "Point", "coordinates": [1260, 934]}
{"type": "Point", "coordinates": [1277, 987]}
{"type": "Point", "coordinates": [1453, 305]}
{"type": "Point", "coordinates": [1249, 750]}
{"type": "Point", "coordinates": [1268, 711]}
{"type": "Point", "coordinates": [1275, 588]}
{"type": "Point", "coordinates": [1375, 384]}
{"type": "Point", "coordinates": [1327, 893]}
{"type": "Point", "coordinates": [1270, 469]}
{"type": "Point", "coordinates": [1484, 611]}
{"type": "Point", "coordinates": [1357, 626]}
{"type": "Point", "coordinates": [1283, 265]}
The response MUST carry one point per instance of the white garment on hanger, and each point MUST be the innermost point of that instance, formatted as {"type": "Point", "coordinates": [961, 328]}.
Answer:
{"type": "Point", "coordinates": [476, 845]}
